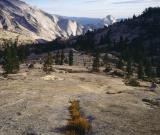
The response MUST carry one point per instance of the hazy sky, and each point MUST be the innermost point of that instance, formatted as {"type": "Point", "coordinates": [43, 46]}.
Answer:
{"type": "Point", "coordinates": [94, 8]}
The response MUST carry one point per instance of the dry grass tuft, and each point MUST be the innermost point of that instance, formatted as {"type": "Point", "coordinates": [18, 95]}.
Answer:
{"type": "Point", "coordinates": [77, 125]}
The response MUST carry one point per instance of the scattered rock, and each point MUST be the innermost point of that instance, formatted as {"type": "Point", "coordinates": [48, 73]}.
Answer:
{"type": "Point", "coordinates": [29, 131]}
{"type": "Point", "coordinates": [18, 113]}
{"type": "Point", "coordinates": [119, 92]}
{"type": "Point", "coordinates": [118, 73]}
{"type": "Point", "coordinates": [59, 71]}
{"type": "Point", "coordinates": [52, 78]}
{"type": "Point", "coordinates": [107, 69]}
{"type": "Point", "coordinates": [154, 102]}
{"type": "Point", "coordinates": [132, 82]}
{"type": "Point", "coordinates": [62, 71]}
{"type": "Point", "coordinates": [30, 66]}
{"type": "Point", "coordinates": [3, 78]}
{"type": "Point", "coordinates": [18, 76]}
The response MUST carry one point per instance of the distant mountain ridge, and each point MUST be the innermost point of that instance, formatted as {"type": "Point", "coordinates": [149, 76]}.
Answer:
{"type": "Point", "coordinates": [18, 17]}
{"type": "Point", "coordinates": [94, 22]}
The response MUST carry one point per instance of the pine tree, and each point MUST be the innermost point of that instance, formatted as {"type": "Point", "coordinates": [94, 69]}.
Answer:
{"type": "Point", "coordinates": [120, 64]}
{"type": "Point", "coordinates": [158, 71]}
{"type": "Point", "coordinates": [15, 58]}
{"type": "Point", "coordinates": [7, 64]}
{"type": "Point", "coordinates": [140, 71]}
{"type": "Point", "coordinates": [96, 63]}
{"type": "Point", "coordinates": [106, 59]}
{"type": "Point", "coordinates": [57, 58]}
{"type": "Point", "coordinates": [108, 39]}
{"type": "Point", "coordinates": [11, 61]}
{"type": "Point", "coordinates": [148, 68]}
{"type": "Point", "coordinates": [129, 67]}
{"type": "Point", "coordinates": [22, 53]}
{"type": "Point", "coordinates": [47, 67]}
{"type": "Point", "coordinates": [121, 44]}
{"type": "Point", "coordinates": [62, 58]}
{"type": "Point", "coordinates": [70, 57]}
{"type": "Point", "coordinates": [66, 60]}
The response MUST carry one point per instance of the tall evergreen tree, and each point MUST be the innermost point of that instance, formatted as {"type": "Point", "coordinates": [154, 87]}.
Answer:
{"type": "Point", "coordinates": [158, 71]}
{"type": "Point", "coordinates": [108, 39]}
{"type": "Point", "coordinates": [121, 44]}
{"type": "Point", "coordinates": [106, 59]}
{"type": "Point", "coordinates": [96, 63]}
{"type": "Point", "coordinates": [62, 58]}
{"type": "Point", "coordinates": [70, 57]}
{"type": "Point", "coordinates": [129, 67]}
{"type": "Point", "coordinates": [22, 53]}
{"type": "Point", "coordinates": [47, 67]}
{"type": "Point", "coordinates": [57, 58]}
{"type": "Point", "coordinates": [140, 71]}
{"type": "Point", "coordinates": [148, 68]}
{"type": "Point", "coordinates": [120, 64]}
{"type": "Point", "coordinates": [11, 61]}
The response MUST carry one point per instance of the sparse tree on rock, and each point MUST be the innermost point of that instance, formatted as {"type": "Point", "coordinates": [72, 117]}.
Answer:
{"type": "Point", "coordinates": [107, 63]}
{"type": "Point", "coordinates": [140, 71]}
{"type": "Point", "coordinates": [106, 59]}
{"type": "Point", "coordinates": [148, 68]}
{"type": "Point", "coordinates": [66, 60]}
{"type": "Point", "coordinates": [22, 53]}
{"type": "Point", "coordinates": [11, 61]}
{"type": "Point", "coordinates": [47, 67]}
{"type": "Point", "coordinates": [70, 57]}
{"type": "Point", "coordinates": [129, 68]}
{"type": "Point", "coordinates": [120, 64]}
{"type": "Point", "coordinates": [57, 58]}
{"type": "Point", "coordinates": [158, 71]}
{"type": "Point", "coordinates": [62, 58]}
{"type": "Point", "coordinates": [96, 63]}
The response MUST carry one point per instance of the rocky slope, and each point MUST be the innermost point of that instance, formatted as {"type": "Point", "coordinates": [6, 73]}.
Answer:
{"type": "Point", "coordinates": [17, 16]}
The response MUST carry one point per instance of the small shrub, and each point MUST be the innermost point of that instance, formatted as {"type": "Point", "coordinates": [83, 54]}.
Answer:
{"type": "Point", "coordinates": [119, 73]}
{"type": "Point", "coordinates": [77, 125]}
{"type": "Point", "coordinates": [47, 67]}
{"type": "Point", "coordinates": [70, 58]}
{"type": "Point", "coordinates": [74, 110]}
{"type": "Point", "coordinates": [133, 82]}
{"type": "Point", "coordinates": [108, 68]}
{"type": "Point", "coordinates": [80, 126]}
{"type": "Point", "coordinates": [29, 131]}
{"type": "Point", "coordinates": [96, 63]}
{"type": "Point", "coordinates": [31, 66]}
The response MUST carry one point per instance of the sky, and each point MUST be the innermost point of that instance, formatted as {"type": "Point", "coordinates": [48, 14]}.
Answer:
{"type": "Point", "coordinates": [94, 8]}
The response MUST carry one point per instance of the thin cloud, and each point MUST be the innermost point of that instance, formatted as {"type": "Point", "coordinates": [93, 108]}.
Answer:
{"type": "Point", "coordinates": [128, 2]}
{"type": "Point", "coordinates": [91, 1]}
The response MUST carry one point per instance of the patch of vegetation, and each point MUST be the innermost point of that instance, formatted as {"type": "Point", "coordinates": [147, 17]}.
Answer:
{"type": "Point", "coordinates": [70, 57]}
{"type": "Point", "coordinates": [96, 63]}
{"type": "Point", "coordinates": [119, 73]}
{"type": "Point", "coordinates": [153, 102]}
{"type": "Point", "coordinates": [107, 68]}
{"type": "Point", "coordinates": [31, 66]}
{"type": "Point", "coordinates": [29, 131]}
{"type": "Point", "coordinates": [132, 82]}
{"type": "Point", "coordinates": [77, 125]}
{"type": "Point", "coordinates": [10, 57]}
{"type": "Point", "coordinates": [47, 67]}
{"type": "Point", "coordinates": [57, 58]}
